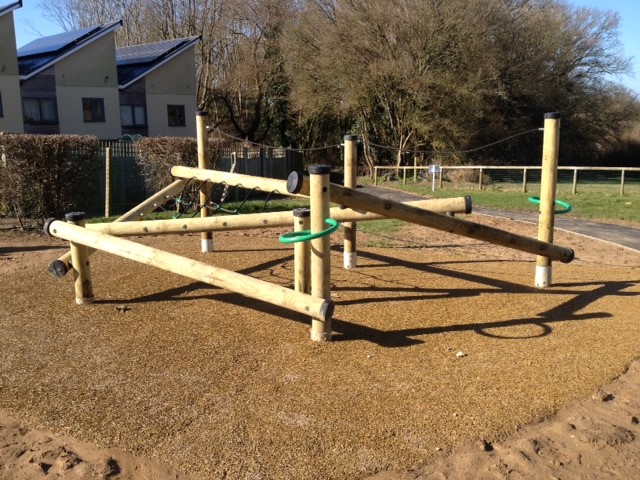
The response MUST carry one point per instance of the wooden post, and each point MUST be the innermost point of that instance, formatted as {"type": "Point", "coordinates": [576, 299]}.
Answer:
{"type": "Point", "coordinates": [415, 169]}
{"type": "Point", "coordinates": [350, 255]}
{"type": "Point", "coordinates": [551, 142]}
{"type": "Point", "coordinates": [524, 180]}
{"type": "Point", "coordinates": [404, 175]}
{"type": "Point", "coordinates": [622, 182]}
{"type": "Point", "coordinates": [107, 182]}
{"type": "Point", "coordinates": [60, 266]}
{"type": "Point", "coordinates": [390, 209]}
{"type": "Point", "coordinates": [206, 238]}
{"type": "Point", "coordinates": [80, 263]}
{"type": "Point", "coordinates": [320, 247]}
{"type": "Point", "coordinates": [375, 176]}
{"type": "Point", "coordinates": [574, 188]}
{"type": "Point", "coordinates": [480, 180]}
{"type": "Point", "coordinates": [200, 271]}
{"type": "Point", "coordinates": [302, 252]}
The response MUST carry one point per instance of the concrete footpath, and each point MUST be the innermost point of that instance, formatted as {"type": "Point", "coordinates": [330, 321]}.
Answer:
{"type": "Point", "coordinates": [617, 234]}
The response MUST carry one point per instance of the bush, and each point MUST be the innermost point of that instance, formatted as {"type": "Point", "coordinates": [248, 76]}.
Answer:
{"type": "Point", "coordinates": [39, 174]}
{"type": "Point", "coordinates": [466, 176]}
{"type": "Point", "coordinates": [157, 155]}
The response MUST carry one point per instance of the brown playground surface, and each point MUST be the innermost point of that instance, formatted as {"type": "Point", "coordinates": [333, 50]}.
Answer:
{"type": "Point", "coordinates": [445, 362]}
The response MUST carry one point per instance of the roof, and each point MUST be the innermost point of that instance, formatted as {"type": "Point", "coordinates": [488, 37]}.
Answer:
{"type": "Point", "coordinates": [136, 61]}
{"type": "Point", "coordinates": [46, 51]}
{"type": "Point", "coordinates": [4, 9]}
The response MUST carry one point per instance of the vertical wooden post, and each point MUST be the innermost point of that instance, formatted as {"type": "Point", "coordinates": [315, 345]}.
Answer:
{"type": "Point", "coordinates": [440, 178]}
{"type": "Point", "coordinates": [415, 169]}
{"type": "Point", "coordinates": [524, 180]}
{"type": "Point", "coordinates": [551, 143]}
{"type": "Point", "coordinates": [375, 176]}
{"type": "Point", "coordinates": [206, 241]}
{"type": "Point", "coordinates": [574, 189]}
{"type": "Point", "coordinates": [350, 179]}
{"type": "Point", "coordinates": [301, 252]}
{"type": "Point", "coordinates": [320, 247]}
{"type": "Point", "coordinates": [480, 180]}
{"type": "Point", "coordinates": [107, 182]}
{"type": "Point", "coordinates": [80, 263]}
{"type": "Point", "coordinates": [622, 182]}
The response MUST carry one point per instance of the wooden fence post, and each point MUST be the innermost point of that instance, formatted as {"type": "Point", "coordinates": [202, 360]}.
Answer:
{"type": "Point", "coordinates": [551, 142]}
{"type": "Point", "coordinates": [80, 263]}
{"type": "Point", "coordinates": [320, 247]}
{"type": "Point", "coordinates": [350, 179]}
{"type": "Point", "coordinates": [301, 252]}
{"type": "Point", "coordinates": [206, 241]}
{"type": "Point", "coordinates": [107, 182]}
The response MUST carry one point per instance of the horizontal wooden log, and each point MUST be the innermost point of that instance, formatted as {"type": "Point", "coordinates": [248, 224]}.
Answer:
{"type": "Point", "coordinates": [318, 308]}
{"type": "Point", "coordinates": [233, 179]}
{"type": "Point", "coordinates": [60, 266]}
{"type": "Point", "coordinates": [257, 220]}
{"type": "Point", "coordinates": [297, 183]}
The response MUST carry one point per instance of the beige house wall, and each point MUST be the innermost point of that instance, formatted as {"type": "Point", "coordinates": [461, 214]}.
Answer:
{"type": "Point", "coordinates": [89, 73]}
{"type": "Point", "coordinates": [11, 121]}
{"type": "Point", "coordinates": [70, 113]}
{"type": "Point", "coordinates": [174, 83]}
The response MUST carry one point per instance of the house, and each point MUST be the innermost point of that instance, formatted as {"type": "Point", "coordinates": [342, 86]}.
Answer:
{"type": "Point", "coordinates": [69, 83]}
{"type": "Point", "coordinates": [10, 105]}
{"type": "Point", "coordinates": [157, 84]}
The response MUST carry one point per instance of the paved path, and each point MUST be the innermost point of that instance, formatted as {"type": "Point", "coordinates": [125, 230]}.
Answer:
{"type": "Point", "coordinates": [620, 235]}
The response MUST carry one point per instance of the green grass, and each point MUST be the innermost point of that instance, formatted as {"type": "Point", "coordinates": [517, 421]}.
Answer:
{"type": "Point", "coordinates": [587, 203]}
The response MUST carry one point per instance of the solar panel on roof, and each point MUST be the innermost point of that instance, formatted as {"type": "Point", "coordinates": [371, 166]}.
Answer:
{"type": "Point", "coordinates": [145, 53]}
{"type": "Point", "coordinates": [54, 43]}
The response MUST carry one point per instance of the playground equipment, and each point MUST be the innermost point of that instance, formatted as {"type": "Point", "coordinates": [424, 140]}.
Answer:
{"type": "Point", "coordinates": [311, 294]}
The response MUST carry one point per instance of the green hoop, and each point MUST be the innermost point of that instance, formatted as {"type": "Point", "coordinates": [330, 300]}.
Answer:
{"type": "Point", "coordinates": [566, 207]}
{"type": "Point", "coordinates": [306, 235]}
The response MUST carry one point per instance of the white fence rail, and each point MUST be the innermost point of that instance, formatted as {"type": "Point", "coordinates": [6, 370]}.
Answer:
{"type": "Point", "coordinates": [515, 178]}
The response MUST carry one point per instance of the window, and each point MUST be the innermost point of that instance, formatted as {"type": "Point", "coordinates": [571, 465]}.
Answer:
{"type": "Point", "coordinates": [1, 111]}
{"type": "Point", "coordinates": [176, 115]}
{"type": "Point", "coordinates": [133, 115]}
{"type": "Point", "coordinates": [39, 111]}
{"type": "Point", "coordinates": [93, 109]}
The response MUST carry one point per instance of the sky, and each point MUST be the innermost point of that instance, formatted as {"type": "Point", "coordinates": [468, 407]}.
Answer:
{"type": "Point", "coordinates": [30, 24]}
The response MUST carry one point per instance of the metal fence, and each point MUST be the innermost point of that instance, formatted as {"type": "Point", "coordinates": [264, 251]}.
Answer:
{"type": "Point", "coordinates": [120, 185]}
{"type": "Point", "coordinates": [616, 181]}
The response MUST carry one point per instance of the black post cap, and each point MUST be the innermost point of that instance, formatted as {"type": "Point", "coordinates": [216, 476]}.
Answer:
{"type": "Point", "coordinates": [319, 169]}
{"type": "Point", "coordinates": [352, 138]}
{"type": "Point", "coordinates": [552, 115]}
{"type": "Point", "coordinates": [301, 212]}
{"type": "Point", "coordinates": [75, 216]}
{"type": "Point", "coordinates": [295, 180]}
{"type": "Point", "coordinates": [47, 225]}
{"type": "Point", "coordinates": [467, 204]}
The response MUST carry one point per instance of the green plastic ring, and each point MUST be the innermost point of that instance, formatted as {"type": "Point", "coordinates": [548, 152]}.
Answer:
{"type": "Point", "coordinates": [566, 207]}
{"type": "Point", "coordinates": [306, 235]}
